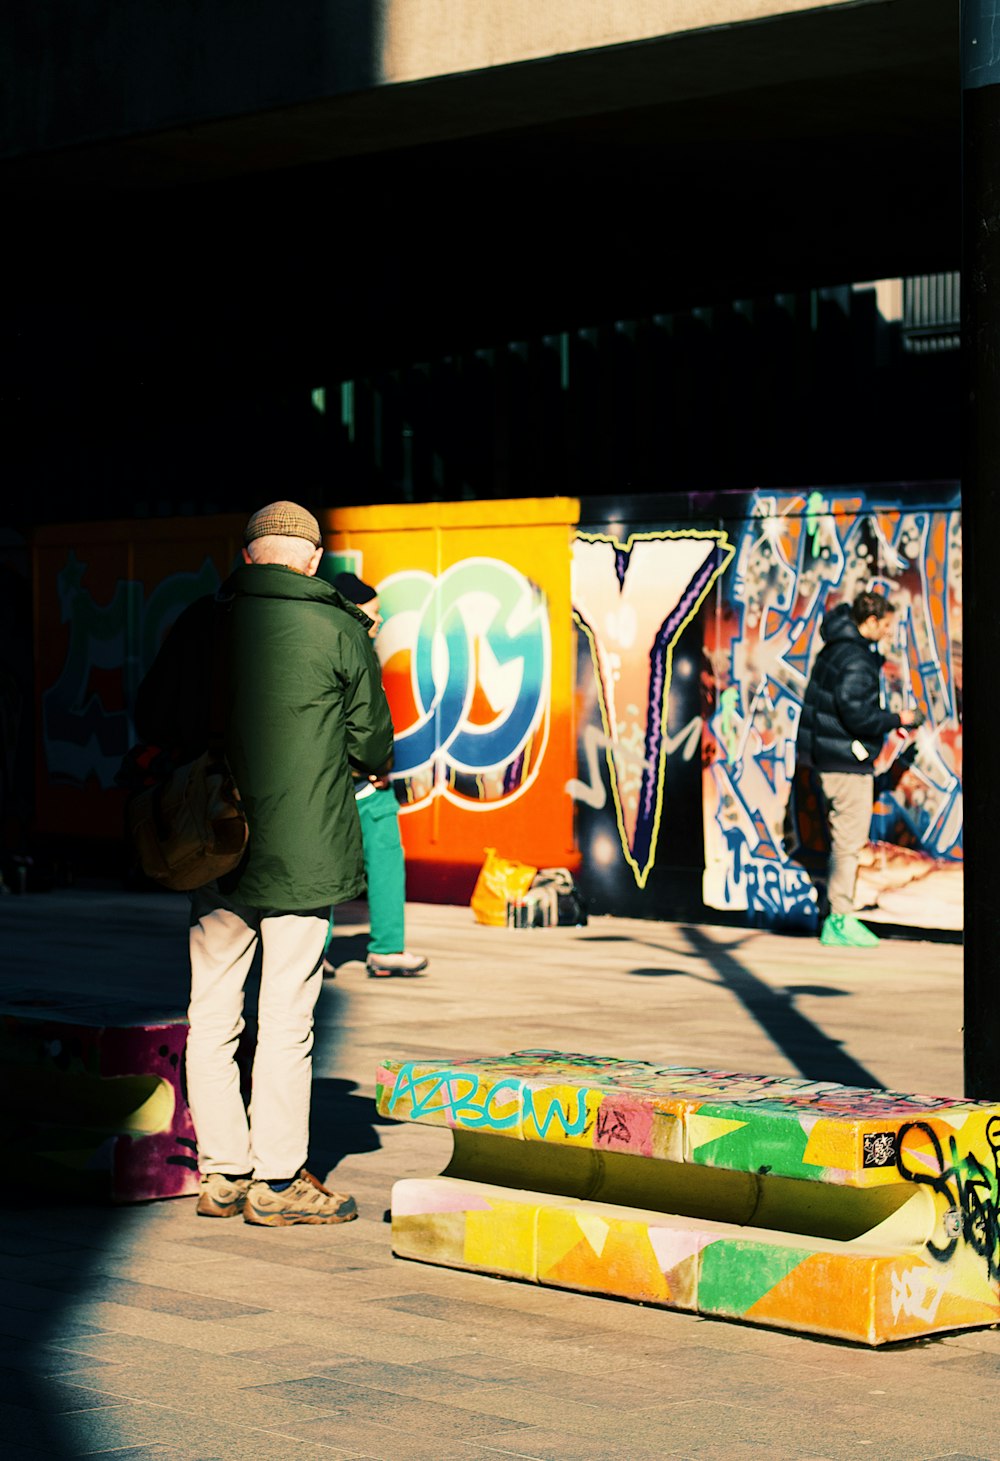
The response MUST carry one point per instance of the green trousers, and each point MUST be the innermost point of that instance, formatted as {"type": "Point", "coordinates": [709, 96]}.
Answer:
{"type": "Point", "coordinates": [385, 870]}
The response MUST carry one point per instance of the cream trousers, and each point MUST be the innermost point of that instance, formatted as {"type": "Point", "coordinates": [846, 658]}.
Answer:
{"type": "Point", "coordinates": [272, 1138]}
{"type": "Point", "coordinates": [849, 800]}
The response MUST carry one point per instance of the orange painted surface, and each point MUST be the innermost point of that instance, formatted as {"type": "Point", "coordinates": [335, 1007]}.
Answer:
{"type": "Point", "coordinates": [477, 661]}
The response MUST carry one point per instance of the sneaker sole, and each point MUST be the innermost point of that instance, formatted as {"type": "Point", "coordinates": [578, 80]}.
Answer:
{"type": "Point", "coordinates": [293, 1219]}
{"type": "Point", "coordinates": [213, 1210]}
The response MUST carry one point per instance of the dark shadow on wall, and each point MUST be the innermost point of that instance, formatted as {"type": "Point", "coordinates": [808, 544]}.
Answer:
{"type": "Point", "coordinates": [16, 712]}
{"type": "Point", "coordinates": [182, 63]}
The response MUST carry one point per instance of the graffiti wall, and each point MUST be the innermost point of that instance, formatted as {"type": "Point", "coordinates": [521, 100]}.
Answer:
{"type": "Point", "coordinates": [476, 651]}
{"type": "Point", "coordinates": [797, 556]}
{"type": "Point", "coordinates": [638, 595]}
{"type": "Point", "coordinates": [106, 594]}
{"type": "Point", "coordinates": [697, 631]}
{"type": "Point", "coordinates": [476, 659]}
{"type": "Point", "coordinates": [619, 695]}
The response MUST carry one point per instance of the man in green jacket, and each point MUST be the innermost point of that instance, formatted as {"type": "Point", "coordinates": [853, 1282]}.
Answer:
{"type": "Point", "coordinates": [304, 705]}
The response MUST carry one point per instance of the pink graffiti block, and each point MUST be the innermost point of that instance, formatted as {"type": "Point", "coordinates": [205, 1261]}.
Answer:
{"type": "Point", "coordinates": [415, 1196]}
{"type": "Point", "coordinates": [672, 1245]}
{"type": "Point", "coordinates": [103, 1110]}
{"type": "Point", "coordinates": [624, 1125]}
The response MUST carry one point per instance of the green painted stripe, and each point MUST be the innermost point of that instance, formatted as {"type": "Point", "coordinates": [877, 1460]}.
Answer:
{"type": "Point", "coordinates": [734, 1274]}
{"type": "Point", "coordinates": [767, 1143]}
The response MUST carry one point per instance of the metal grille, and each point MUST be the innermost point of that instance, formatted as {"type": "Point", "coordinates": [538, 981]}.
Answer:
{"type": "Point", "coordinates": [931, 313]}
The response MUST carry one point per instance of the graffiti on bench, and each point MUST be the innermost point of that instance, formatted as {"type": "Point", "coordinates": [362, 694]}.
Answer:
{"type": "Point", "coordinates": [790, 1190]}
{"type": "Point", "coordinates": [103, 1112]}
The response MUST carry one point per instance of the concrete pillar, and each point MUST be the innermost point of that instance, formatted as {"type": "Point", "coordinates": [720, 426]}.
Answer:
{"type": "Point", "coordinates": [981, 513]}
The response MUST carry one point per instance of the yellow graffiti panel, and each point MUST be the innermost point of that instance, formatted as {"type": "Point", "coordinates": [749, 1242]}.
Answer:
{"type": "Point", "coordinates": [502, 1239]}
{"type": "Point", "coordinates": [624, 1263]}
{"type": "Point", "coordinates": [477, 658]}
{"type": "Point", "coordinates": [432, 1237]}
{"type": "Point", "coordinates": [565, 1114]}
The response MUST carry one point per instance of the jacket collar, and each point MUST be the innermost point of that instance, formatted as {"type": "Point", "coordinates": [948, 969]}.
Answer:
{"type": "Point", "coordinates": [274, 581]}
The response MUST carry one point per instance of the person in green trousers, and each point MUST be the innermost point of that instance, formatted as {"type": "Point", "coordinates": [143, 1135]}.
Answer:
{"type": "Point", "coordinates": [385, 866]}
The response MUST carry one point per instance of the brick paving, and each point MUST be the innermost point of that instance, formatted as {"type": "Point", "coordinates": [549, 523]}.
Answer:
{"type": "Point", "coordinates": [143, 1332]}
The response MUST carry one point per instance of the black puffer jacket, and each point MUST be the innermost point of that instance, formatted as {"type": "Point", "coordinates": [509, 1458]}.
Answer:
{"type": "Point", "coordinates": [841, 709]}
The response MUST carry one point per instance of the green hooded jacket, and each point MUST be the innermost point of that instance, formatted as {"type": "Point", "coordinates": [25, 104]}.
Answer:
{"type": "Point", "coordinates": [303, 703]}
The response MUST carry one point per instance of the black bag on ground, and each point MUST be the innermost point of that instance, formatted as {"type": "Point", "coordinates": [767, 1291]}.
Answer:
{"type": "Point", "coordinates": [558, 898]}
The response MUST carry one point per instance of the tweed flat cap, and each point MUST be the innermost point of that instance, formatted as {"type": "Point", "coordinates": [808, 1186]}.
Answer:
{"type": "Point", "coordinates": [283, 520]}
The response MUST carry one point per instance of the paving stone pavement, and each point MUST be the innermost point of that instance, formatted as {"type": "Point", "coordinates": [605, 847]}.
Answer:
{"type": "Point", "coordinates": [144, 1332]}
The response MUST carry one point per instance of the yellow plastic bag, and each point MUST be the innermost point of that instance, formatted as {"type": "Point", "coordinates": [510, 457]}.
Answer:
{"type": "Point", "coordinates": [501, 880]}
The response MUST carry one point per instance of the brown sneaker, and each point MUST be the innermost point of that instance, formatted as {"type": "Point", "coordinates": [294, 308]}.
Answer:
{"type": "Point", "coordinates": [305, 1200]}
{"type": "Point", "coordinates": [222, 1196]}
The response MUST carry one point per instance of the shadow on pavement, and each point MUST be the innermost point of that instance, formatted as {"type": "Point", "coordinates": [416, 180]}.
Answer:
{"type": "Point", "coordinates": [342, 1125]}
{"type": "Point", "coordinates": [348, 948]}
{"type": "Point", "coordinates": [661, 973]}
{"type": "Point", "coordinates": [61, 1257]}
{"type": "Point", "coordinates": [813, 1052]}
{"type": "Point", "coordinates": [60, 1263]}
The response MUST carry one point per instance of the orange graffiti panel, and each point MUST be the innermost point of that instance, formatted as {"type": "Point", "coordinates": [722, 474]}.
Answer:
{"type": "Point", "coordinates": [477, 659]}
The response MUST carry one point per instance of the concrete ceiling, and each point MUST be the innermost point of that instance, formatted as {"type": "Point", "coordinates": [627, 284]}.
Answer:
{"type": "Point", "coordinates": [394, 224]}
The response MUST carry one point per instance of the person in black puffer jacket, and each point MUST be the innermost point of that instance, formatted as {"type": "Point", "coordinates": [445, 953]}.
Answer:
{"type": "Point", "coordinates": [840, 734]}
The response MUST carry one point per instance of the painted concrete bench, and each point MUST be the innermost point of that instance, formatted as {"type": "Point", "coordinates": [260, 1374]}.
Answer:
{"type": "Point", "coordinates": [860, 1214]}
{"type": "Point", "coordinates": [97, 1092]}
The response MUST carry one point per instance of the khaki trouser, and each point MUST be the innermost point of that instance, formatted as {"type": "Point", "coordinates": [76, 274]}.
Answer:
{"type": "Point", "coordinates": [272, 1140]}
{"type": "Point", "coordinates": [849, 800]}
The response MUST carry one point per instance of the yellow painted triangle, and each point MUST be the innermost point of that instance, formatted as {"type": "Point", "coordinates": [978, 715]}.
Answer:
{"type": "Point", "coordinates": [594, 1229]}
{"type": "Point", "coordinates": [558, 1235]}
{"type": "Point", "coordinates": [704, 1129]}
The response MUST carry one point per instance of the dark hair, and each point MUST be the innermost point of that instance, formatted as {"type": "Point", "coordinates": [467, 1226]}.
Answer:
{"type": "Point", "coordinates": [868, 604]}
{"type": "Point", "coordinates": [354, 588]}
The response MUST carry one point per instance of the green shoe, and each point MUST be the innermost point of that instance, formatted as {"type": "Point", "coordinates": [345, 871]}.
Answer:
{"type": "Point", "coordinates": [844, 931]}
